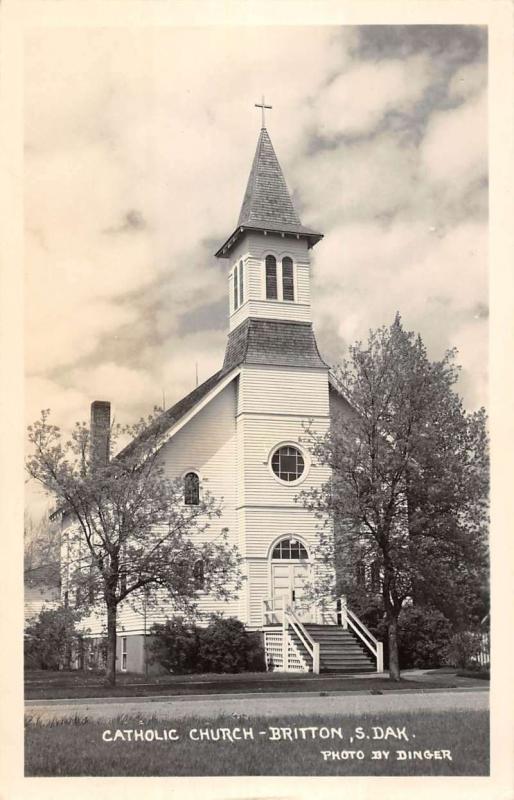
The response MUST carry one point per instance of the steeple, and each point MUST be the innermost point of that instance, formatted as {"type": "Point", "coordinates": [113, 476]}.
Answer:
{"type": "Point", "coordinates": [269, 269]}
{"type": "Point", "coordinates": [267, 204]}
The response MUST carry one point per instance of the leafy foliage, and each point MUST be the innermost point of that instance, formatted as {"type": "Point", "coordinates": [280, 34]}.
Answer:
{"type": "Point", "coordinates": [409, 481]}
{"type": "Point", "coordinates": [423, 635]}
{"type": "Point", "coordinates": [127, 531]}
{"type": "Point", "coordinates": [222, 646]}
{"type": "Point", "coordinates": [175, 646]}
{"type": "Point", "coordinates": [463, 648]}
{"type": "Point", "coordinates": [48, 637]}
{"type": "Point", "coordinates": [41, 543]}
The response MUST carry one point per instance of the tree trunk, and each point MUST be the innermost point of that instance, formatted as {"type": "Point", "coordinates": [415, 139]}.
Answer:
{"type": "Point", "coordinates": [110, 664]}
{"type": "Point", "coordinates": [392, 636]}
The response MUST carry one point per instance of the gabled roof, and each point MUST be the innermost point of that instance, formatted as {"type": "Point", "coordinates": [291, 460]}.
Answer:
{"type": "Point", "coordinates": [272, 341]}
{"type": "Point", "coordinates": [169, 418]}
{"type": "Point", "coordinates": [267, 204]}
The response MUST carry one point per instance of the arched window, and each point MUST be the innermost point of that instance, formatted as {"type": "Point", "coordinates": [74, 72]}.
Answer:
{"type": "Point", "coordinates": [287, 463]}
{"type": "Point", "coordinates": [290, 549]}
{"type": "Point", "coordinates": [198, 574]}
{"type": "Point", "coordinates": [240, 283]}
{"type": "Point", "coordinates": [271, 278]}
{"type": "Point", "coordinates": [287, 279]}
{"type": "Point", "coordinates": [235, 287]}
{"type": "Point", "coordinates": [191, 489]}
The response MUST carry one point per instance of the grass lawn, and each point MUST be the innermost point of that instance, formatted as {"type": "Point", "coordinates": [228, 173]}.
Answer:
{"type": "Point", "coordinates": [47, 684]}
{"type": "Point", "coordinates": [458, 743]}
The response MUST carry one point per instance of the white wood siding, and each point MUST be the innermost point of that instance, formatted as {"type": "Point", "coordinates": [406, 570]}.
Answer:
{"type": "Point", "coordinates": [271, 309]}
{"type": "Point", "coordinates": [262, 435]}
{"type": "Point", "coordinates": [287, 391]}
{"type": "Point", "coordinates": [264, 525]}
{"type": "Point", "coordinates": [274, 404]}
{"type": "Point", "coordinates": [253, 250]}
{"type": "Point", "coordinates": [258, 244]}
{"type": "Point", "coordinates": [258, 577]}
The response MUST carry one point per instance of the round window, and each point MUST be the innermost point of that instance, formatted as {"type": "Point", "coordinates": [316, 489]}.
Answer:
{"type": "Point", "coordinates": [287, 463]}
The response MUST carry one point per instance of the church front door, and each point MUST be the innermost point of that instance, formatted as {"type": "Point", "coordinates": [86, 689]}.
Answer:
{"type": "Point", "coordinates": [287, 582]}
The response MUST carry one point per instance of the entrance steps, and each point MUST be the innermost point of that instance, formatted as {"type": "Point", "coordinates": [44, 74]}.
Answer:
{"type": "Point", "coordinates": [340, 649]}
{"type": "Point", "coordinates": [336, 640]}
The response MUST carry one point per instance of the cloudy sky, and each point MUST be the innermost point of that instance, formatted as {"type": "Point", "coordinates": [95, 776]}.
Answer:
{"type": "Point", "coordinates": [138, 147]}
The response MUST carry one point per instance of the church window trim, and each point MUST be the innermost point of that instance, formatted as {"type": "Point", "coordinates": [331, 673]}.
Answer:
{"type": "Point", "coordinates": [199, 575]}
{"type": "Point", "coordinates": [123, 654]}
{"type": "Point", "coordinates": [289, 548]}
{"type": "Point", "coordinates": [288, 279]}
{"type": "Point", "coordinates": [286, 290]}
{"type": "Point", "coordinates": [241, 282]}
{"type": "Point", "coordinates": [192, 487]}
{"type": "Point", "coordinates": [271, 282]}
{"type": "Point", "coordinates": [283, 462]}
{"type": "Point", "coordinates": [235, 288]}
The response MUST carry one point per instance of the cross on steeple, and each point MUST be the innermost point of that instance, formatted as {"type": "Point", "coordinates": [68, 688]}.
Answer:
{"type": "Point", "coordinates": [262, 106]}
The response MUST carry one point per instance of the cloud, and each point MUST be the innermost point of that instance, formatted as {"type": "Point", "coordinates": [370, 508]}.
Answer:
{"type": "Point", "coordinates": [356, 101]}
{"type": "Point", "coordinates": [138, 147]}
{"type": "Point", "coordinates": [455, 144]}
{"type": "Point", "coordinates": [469, 80]}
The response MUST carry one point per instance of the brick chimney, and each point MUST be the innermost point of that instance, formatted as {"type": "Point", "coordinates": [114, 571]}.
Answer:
{"type": "Point", "coordinates": [100, 432]}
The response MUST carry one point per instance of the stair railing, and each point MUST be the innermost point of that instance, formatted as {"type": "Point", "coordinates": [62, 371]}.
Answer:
{"type": "Point", "coordinates": [364, 634]}
{"type": "Point", "coordinates": [273, 608]}
{"type": "Point", "coordinates": [312, 647]}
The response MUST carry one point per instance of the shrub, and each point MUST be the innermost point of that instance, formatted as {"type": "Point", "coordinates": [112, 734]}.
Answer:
{"type": "Point", "coordinates": [226, 646]}
{"type": "Point", "coordinates": [462, 650]}
{"type": "Point", "coordinates": [48, 639]}
{"type": "Point", "coordinates": [423, 635]}
{"type": "Point", "coordinates": [223, 646]}
{"type": "Point", "coordinates": [175, 646]}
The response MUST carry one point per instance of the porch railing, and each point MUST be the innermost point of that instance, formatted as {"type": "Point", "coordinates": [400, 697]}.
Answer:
{"type": "Point", "coordinates": [280, 611]}
{"type": "Point", "coordinates": [306, 639]}
{"type": "Point", "coordinates": [374, 646]}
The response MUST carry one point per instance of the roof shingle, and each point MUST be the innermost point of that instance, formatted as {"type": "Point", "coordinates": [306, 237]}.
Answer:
{"type": "Point", "coordinates": [267, 199]}
{"type": "Point", "coordinates": [267, 204]}
{"type": "Point", "coordinates": [272, 341]}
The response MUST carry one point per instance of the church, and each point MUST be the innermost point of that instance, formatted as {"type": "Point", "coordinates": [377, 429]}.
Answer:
{"type": "Point", "coordinates": [239, 436]}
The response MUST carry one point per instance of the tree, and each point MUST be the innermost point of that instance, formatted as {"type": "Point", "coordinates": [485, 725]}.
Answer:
{"type": "Point", "coordinates": [408, 491]}
{"type": "Point", "coordinates": [127, 533]}
{"type": "Point", "coordinates": [47, 638]}
{"type": "Point", "coordinates": [41, 545]}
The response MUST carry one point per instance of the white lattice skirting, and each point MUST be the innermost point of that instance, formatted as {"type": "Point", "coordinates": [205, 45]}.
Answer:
{"type": "Point", "coordinates": [275, 657]}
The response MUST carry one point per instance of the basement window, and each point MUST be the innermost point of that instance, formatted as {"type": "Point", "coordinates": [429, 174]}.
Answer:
{"type": "Point", "coordinates": [123, 653]}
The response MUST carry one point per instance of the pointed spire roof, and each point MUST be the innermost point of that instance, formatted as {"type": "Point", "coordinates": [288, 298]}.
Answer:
{"type": "Point", "coordinates": [267, 199]}
{"type": "Point", "coordinates": [267, 204]}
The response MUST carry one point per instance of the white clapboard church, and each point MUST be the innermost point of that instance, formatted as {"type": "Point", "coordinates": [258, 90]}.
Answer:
{"type": "Point", "coordinates": [239, 436]}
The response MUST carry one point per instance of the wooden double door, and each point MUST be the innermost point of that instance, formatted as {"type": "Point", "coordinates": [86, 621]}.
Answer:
{"type": "Point", "coordinates": [287, 581]}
